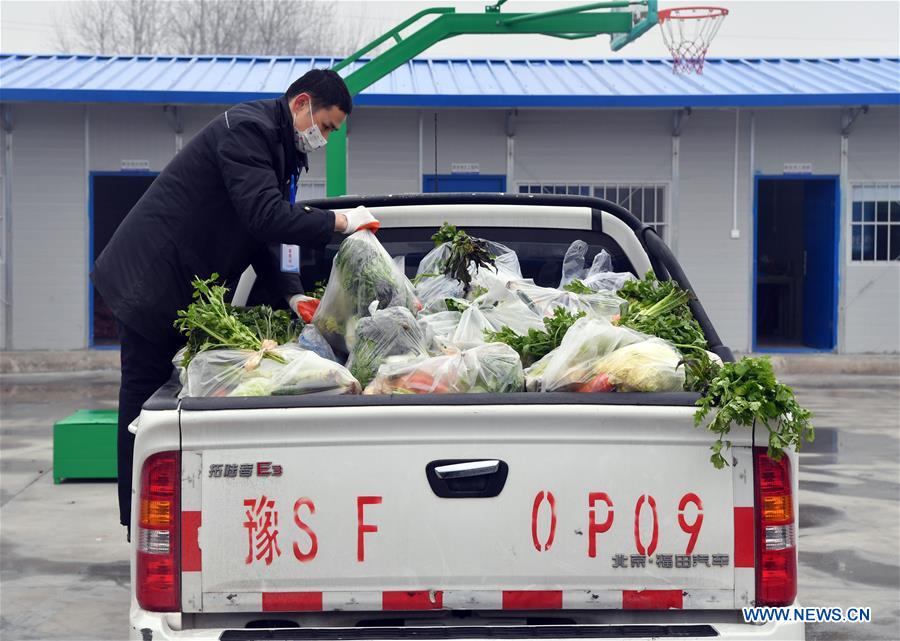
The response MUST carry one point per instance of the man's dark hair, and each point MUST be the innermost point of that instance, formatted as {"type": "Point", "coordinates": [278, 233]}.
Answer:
{"type": "Point", "coordinates": [326, 87]}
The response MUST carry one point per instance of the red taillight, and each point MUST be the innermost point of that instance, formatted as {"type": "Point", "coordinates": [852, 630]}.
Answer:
{"type": "Point", "coordinates": [158, 544]}
{"type": "Point", "coordinates": [776, 554]}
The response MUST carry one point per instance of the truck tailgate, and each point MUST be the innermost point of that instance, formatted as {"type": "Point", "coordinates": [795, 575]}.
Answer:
{"type": "Point", "coordinates": [462, 507]}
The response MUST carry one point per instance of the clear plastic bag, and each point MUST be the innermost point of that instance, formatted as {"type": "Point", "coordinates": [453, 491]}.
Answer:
{"type": "Point", "coordinates": [237, 372]}
{"type": "Point", "coordinates": [648, 366]}
{"type": "Point", "coordinates": [471, 329]}
{"type": "Point", "coordinates": [543, 300]}
{"type": "Point", "coordinates": [432, 283]}
{"type": "Point", "coordinates": [497, 308]}
{"type": "Point", "coordinates": [573, 262]}
{"type": "Point", "coordinates": [571, 367]}
{"type": "Point", "coordinates": [438, 329]}
{"type": "Point", "coordinates": [362, 272]}
{"type": "Point", "coordinates": [492, 368]}
{"type": "Point", "coordinates": [608, 281]}
{"type": "Point", "coordinates": [387, 333]}
{"type": "Point", "coordinates": [599, 277]}
{"type": "Point", "coordinates": [312, 340]}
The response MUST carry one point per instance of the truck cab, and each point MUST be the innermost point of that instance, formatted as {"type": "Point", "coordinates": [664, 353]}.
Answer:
{"type": "Point", "coordinates": [461, 516]}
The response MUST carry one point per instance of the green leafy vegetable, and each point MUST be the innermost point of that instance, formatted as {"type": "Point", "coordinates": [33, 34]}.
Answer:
{"type": "Point", "coordinates": [279, 325]}
{"type": "Point", "coordinates": [699, 370]}
{"type": "Point", "coordinates": [745, 393]}
{"type": "Point", "coordinates": [536, 343]}
{"type": "Point", "coordinates": [454, 305]}
{"type": "Point", "coordinates": [465, 252]}
{"type": "Point", "coordinates": [578, 287]}
{"type": "Point", "coordinates": [319, 289]}
{"type": "Point", "coordinates": [660, 308]}
{"type": "Point", "coordinates": [445, 234]}
{"type": "Point", "coordinates": [211, 323]}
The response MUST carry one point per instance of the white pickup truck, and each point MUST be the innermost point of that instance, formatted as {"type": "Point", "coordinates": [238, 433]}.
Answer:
{"type": "Point", "coordinates": [479, 516]}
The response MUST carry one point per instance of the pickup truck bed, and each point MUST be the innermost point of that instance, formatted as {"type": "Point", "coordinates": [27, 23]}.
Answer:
{"type": "Point", "coordinates": [528, 515]}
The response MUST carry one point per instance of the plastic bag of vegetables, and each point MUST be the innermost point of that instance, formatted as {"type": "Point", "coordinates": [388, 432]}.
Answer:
{"type": "Point", "coordinates": [438, 329]}
{"type": "Point", "coordinates": [572, 367]}
{"type": "Point", "coordinates": [600, 276]}
{"type": "Point", "coordinates": [239, 372]}
{"type": "Point", "coordinates": [543, 300]}
{"type": "Point", "coordinates": [362, 272]}
{"type": "Point", "coordinates": [462, 266]}
{"type": "Point", "coordinates": [390, 334]}
{"type": "Point", "coordinates": [649, 366]}
{"type": "Point", "coordinates": [491, 312]}
{"type": "Point", "coordinates": [491, 368]}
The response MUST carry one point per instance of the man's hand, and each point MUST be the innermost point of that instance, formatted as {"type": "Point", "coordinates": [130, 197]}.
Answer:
{"type": "Point", "coordinates": [356, 219]}
{"type": "Point", "coordinates": [304, 306]}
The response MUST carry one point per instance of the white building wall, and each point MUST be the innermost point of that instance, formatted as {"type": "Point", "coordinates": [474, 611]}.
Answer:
{"type": "Point", "coordinates": [464, 136]}
{"type": "Point", "coordinates": [717, 265]}
{"type": "Point", "coordinates": [872, 291]}
{"type": "Point", "coordinates": [593, 145]}
{"type": "Point", "coordinates": [193, 119]}
{"type": "Point", "coordinates": [49, 192]}
{"type": "Point", "coordinates": [382, 150]}
{"type": "Point", "coordinates": [134, 132]}
{"type": "Point", "coordinates": [798, 135]}
{"type": "Point", "coordinates": [49, 225]}
{"type": "Point", "coordinates": [5, 265]}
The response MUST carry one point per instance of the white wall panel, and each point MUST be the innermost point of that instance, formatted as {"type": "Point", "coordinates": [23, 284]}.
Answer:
{"type": "Point", "coordinates": [872, 308]}
{"type": "Point", "coordinates": [593, 145]}
{"type": "Point", "coordinates": [798, 135]}
{"type": "Point", "coordinates": [49, 222]}
{"type": "Point", "coordinates": [133, 132]}
{"type": "Point", "coordinates": [465, 136]}
{"type": "Point", "coordinates": [717, 265]}
{"type": "Point", "coordinates": [874, 146]}
{"type": "Point", "coordinates": [383, 150]}
{"type": "Point", "coordinates": [193, 119]}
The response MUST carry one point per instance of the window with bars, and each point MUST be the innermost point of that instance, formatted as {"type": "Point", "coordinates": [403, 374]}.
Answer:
{"type": "Point", "coordinates": [647, 201]}
{"type": "Point", "coordinates": [875, 222]}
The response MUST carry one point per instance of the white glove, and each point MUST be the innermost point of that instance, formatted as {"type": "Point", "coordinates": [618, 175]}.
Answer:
{"type": "Point", "coordinates": [360, 218]}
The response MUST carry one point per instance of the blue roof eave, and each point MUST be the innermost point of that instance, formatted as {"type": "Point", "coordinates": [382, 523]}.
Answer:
{"type": "Point", "coordinates": [461, 100]}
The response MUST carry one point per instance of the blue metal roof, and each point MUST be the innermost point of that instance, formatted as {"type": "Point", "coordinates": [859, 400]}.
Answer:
{"type": "Point", "coordinates": [731, 82]}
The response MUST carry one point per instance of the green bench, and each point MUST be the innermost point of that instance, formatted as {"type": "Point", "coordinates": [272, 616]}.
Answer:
{"type": "Point", "coordinates": [84, 446]}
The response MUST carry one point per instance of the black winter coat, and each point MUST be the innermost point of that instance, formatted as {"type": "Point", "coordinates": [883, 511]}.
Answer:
{"type": "Point", "coordinates": [220, 205]}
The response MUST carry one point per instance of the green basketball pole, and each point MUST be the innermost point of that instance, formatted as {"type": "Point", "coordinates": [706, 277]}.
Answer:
{"type": "Point", "coordinates": [572, 23]}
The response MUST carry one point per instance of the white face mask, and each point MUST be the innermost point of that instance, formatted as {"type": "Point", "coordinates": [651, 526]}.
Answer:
{"type": "Point", "coordinates": [311, 138]}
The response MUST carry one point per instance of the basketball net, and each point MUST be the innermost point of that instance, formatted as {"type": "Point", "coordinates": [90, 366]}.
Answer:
{"type": "Point", "coordinates": [687, 32]}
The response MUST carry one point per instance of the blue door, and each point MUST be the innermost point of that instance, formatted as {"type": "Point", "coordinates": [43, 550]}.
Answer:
{"type": "Point", "coordinates": [463, 183]}
{"type": "Point", "coordinates": [820, 276]}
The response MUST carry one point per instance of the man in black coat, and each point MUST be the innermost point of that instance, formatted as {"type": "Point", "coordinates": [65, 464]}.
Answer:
{"type": "Point", "coordinates": [224, 202]}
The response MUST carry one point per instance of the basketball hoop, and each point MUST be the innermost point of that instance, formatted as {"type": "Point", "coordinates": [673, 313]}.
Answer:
{"type": "Point", "coordinates": [687, 32]}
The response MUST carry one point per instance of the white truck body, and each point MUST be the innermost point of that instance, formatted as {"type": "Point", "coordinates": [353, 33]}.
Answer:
{"type": "Point", "coordinates": [455, 516]}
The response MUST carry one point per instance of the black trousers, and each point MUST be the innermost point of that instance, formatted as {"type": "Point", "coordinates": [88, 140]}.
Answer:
{"type": "Point", "coordinates": [146, 366]}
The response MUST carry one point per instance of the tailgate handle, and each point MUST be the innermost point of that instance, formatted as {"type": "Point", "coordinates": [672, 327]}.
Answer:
{"type": "Point", "coordinates": [472, 468]}
{"type": "Point", "coordinates": [467, 478]}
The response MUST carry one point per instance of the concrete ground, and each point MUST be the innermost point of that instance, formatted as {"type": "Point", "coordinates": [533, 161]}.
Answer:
{"type": "Point", "coordinates": [64, 561]}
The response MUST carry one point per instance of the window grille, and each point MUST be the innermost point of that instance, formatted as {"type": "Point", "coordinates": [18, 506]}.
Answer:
{"type": "Point", "coordinates": [875, 222]}
{"type": "Point", "coordinates": [647, 201]}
